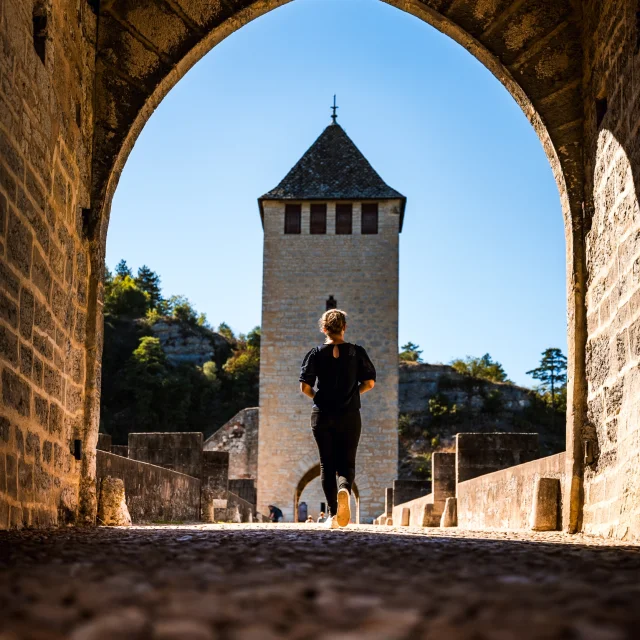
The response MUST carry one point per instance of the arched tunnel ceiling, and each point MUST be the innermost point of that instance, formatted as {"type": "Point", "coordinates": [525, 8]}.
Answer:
{"type": "Point", "coordinates": [145, 46]}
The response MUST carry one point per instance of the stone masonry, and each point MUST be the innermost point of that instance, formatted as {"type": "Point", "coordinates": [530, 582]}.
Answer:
{"type": "Point", "coordinates": [611, 441]}
{"type": "Point", "coordinates": [46, 132]}
{"type": "Point", "coordinates": [74, 98]}
{"type": "Point", "coordinates": [178, 451]}
{"type": "Point", "coordinates": [370, 297]}
{"type": "Point", "coordinates": [239, 436]}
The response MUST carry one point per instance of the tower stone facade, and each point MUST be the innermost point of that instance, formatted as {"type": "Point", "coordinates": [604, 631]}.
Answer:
{"type": "Point", "coordinates": [331, 232]}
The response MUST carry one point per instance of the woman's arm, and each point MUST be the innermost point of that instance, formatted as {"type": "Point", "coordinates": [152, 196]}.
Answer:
{"type": "Point", "coordinates": [367, 385]}
{"type": "Point", "coordinates": [307, 389]}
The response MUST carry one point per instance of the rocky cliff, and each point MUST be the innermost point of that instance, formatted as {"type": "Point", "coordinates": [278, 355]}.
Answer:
{"type": "Point", "coordinates": [185, 343]}
{"type": "Point", "coordinates": [436, 402]}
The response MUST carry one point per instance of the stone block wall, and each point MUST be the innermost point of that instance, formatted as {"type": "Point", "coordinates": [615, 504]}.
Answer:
{"type": "Point", "coordinates": [104, 442]}
{"type": "Point", "coordinates": [45, 155]}
{"type": "Point", "coordinates": [215, 485]}
{"type": "Point", "coordinates": [405, 490]}
{"type": "Point", "coordinates": [443, 474]}
{"type": "Point", "coordinates": [612, 106]}
{"type": "Point", "coordinates": [152, 493]}
{"type": "Point", "coordinates": [244, 488]}
{"type": "Point", "coordinates": [369, 295]}
{"type": "Point", "coordinates": [480, 453]}
{"type": "Point", "coordinates": [239, 437]}
{"type": "Point", "coordinates": [179, 451]}
{"type": "Point", "coordinates": [504, 499]}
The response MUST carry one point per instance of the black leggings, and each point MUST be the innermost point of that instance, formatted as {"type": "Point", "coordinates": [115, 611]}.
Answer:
{"type": "Point", "coordinates": [337, 438]}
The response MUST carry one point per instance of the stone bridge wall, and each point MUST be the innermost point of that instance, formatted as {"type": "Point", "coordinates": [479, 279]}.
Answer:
{"type": "Point", "coordinates": [152, 493]}
{"type": "Point", "coordinates": [504, 499]}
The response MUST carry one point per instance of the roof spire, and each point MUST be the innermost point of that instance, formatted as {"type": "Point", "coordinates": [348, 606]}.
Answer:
{"type": "Point", "coordinates": [334, 117]}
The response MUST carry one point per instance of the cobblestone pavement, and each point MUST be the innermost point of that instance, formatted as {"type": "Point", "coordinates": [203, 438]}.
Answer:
{"type": "Point", "coordinates": [260, 582]}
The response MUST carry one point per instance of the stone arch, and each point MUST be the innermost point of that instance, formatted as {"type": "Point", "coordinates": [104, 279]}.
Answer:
{"type": "Point", "coordinates": [533, 47]}
{"type": "Point", "coordinates": [311, 474]}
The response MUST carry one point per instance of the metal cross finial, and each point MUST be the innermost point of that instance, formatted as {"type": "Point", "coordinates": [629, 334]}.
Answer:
{"type": "Point", "coordinates": [334, 117]}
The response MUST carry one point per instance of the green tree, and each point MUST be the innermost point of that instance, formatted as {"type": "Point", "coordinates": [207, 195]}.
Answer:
{"type": "Point", "coordinates": [144, 380]}
{"type": "Point", "coordinates": [225, 330]}
{"type": "Point", "coordinates": [181, 309]}
{"type": "Point", "coordinates": [202, 321]}
{"type": "Point", "coordinates": [149, 282]}
{"type": "Point", "coordinates": [124, 298]}
{"type": "Point", "coordinates": [253, 338]}
{"type": "Point", "coordinates": [484, 368]}
{"type": "Point", "coordinates": [410, 353]}
{"type": "Point", "coordinates": [552, 374]}
{"type": "Point", "coordinates": [123, 270]}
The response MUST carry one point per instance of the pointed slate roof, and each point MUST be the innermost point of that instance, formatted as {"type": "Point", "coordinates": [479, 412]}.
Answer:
{"type": "Point", "coordinates": [333, 168]}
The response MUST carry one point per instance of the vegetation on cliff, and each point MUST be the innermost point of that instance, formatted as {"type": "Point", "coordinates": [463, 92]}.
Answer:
{"type": "Point", "coordinates": [474, 394]}
{"type": "Point", "coordinates": [143, 389]}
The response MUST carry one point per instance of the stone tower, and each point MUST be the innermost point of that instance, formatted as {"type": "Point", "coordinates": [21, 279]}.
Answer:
{"type": "Point", "coordinates": [330, 239]}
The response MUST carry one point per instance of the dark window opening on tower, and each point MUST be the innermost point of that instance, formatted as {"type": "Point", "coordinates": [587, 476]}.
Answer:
{"type": "Point", "coordinates": [369, 218]}
{"type": "Point", "coordinates": [332, 303]}
{"type": "Point", "coordinates": [344, 218]}
{"type": "Point", "coordinates": [292, 216]}
{"type": "Point", "coordinates": [318, 222]}
{"type": "Point", "coordinates": [40, 31]}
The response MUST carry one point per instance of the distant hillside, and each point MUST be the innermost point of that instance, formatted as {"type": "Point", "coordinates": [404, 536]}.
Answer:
{"type": "Point", "coordinates": [436, 402]}
{"type": "Point", "coordinates": [172, 375]}
{"type": "Point", "coordinates": [164, 368]}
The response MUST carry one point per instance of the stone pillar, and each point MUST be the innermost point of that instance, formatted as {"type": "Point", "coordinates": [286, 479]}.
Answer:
{"type": "Point", "coordinates": [120, 450]}
{"type": "Point", "coordinates": [443, 474]}
{"type": "Point", "coordinates": [104, 442]}
{"type": "Point", "coordinates": [215, 485]}
{"type": "Point", "coordinates": [112, 506]}
{"type": "Point", "coordinates": [450, 513]}
{"type": "Point", "coordinates": [388, 502]}
{"type": "Point", "coordinates": [546, 501]}
{"type": "Point", "coordinates": [431, 516]}
{"type": "Point", "coordinates": [406, 517]}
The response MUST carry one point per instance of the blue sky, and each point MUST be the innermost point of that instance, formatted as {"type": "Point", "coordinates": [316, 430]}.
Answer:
{"type": "Point", "coordinates": [482, 265]}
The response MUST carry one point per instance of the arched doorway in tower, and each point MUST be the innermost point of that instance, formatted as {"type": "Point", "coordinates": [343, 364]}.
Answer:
{"type": "Point", "coordinates": [309, 490]}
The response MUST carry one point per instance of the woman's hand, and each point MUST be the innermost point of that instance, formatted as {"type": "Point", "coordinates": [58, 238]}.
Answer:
{"type": "Point", "coordinates": [367, 385]}
{"type": "Point", "coordinates": [307, 390]}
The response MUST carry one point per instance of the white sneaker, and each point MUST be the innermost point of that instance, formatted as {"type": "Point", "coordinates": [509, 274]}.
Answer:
{"type": "Point", "coordinates": [344, 510]}
{"type": "Point", "coordinates": [331, 523]}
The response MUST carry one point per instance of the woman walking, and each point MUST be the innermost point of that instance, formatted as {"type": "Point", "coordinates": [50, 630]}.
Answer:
{"type": "Point", "coordinates": [343, 372]}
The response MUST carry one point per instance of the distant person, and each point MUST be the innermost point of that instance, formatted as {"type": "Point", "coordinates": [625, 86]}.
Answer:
{"type": "Point", "coordinates": [322, 517]}
{"type": "Point", "coordinates": [275, 515]}
{"type": "Point", "coordinates": [343, 372]}
{"type": "Point", "coordinates": [309, 520]}
{"type": "Point", "coordinates": [303, 511]}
